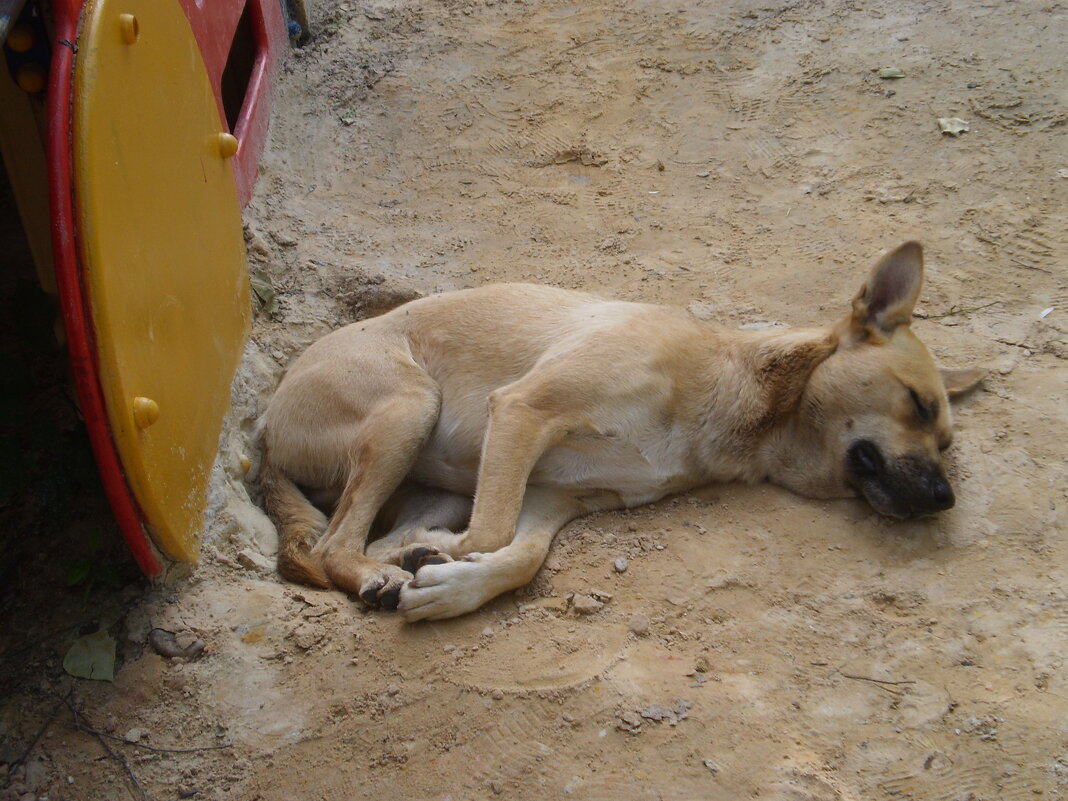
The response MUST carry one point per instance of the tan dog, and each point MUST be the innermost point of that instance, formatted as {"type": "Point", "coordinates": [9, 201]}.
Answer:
{"type": "Point", "coordinates": [546, 404]}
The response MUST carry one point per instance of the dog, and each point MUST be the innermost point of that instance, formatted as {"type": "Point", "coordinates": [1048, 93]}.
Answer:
{"type": "Point", "coordinates": [504, 412]}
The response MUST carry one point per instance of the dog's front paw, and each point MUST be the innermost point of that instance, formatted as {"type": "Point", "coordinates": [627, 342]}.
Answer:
{"type": "Point", "coordinates": [382, 588]}
{"type": "Point", "coordinates": [446, 590]}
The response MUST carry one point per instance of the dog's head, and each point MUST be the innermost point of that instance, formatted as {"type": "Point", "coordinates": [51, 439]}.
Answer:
{"type": "Point", "coordinates": [879, 403]}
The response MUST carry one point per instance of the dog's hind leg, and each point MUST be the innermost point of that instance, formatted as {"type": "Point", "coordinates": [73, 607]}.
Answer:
{"type": "Point", "coordinates": [299, 523]}
{"type": "Point", "coordinates": [451, 589]}
{"type": "Point", "coordinates": [384, 446]}
{"type": "Point", "coordinates": [420, 521]}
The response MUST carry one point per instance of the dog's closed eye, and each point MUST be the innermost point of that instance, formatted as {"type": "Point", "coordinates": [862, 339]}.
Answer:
{"type": "Point", "coordinates": [926, 411]}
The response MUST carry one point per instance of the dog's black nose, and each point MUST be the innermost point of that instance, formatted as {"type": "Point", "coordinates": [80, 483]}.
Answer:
{"type": "Point", "coordinates": [941, 494]}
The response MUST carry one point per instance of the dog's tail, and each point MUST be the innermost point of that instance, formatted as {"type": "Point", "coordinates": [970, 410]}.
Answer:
{"type": "Point", "coordinates": [299, 524]}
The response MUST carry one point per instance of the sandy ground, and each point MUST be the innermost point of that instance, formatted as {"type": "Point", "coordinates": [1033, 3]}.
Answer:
{"type": "Point", "coordinates": [741, 158]}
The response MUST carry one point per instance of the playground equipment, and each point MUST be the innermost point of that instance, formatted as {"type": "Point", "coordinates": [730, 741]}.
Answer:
{"type": "Point", "coordinates": [131, 132]}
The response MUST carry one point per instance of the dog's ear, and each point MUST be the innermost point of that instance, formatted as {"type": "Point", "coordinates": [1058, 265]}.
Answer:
{"type": "Point", "coordinates": [887, 299]}
{"type": "Point", "coordinates": [957, 382]}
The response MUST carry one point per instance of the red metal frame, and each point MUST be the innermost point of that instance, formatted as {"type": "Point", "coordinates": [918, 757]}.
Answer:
{"type": "Point", "coordinates": [77, 317]}
{"type": "Point", "coordinates": [214, 24]}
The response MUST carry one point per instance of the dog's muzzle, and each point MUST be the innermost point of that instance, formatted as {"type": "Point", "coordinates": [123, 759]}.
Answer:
{"type": "Point", "coordinates": [903, 487]}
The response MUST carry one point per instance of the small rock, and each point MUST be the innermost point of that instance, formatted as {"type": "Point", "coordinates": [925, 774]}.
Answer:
{"type": "Point", "coordinates": [392, 689]}
{"type": "Point", "coordinates": [488, 631]}
{"type": "Point", "coordinates": [257, 562]}
{"type": "Point", "coordinates": [321, 610]}
{"type": "Point", "coordinates": [656, 712]}
{"type": "Point", "coordinates": [712, 766]}
{"type": "Point", "coordinates": [620, 565]}
{"type": "Point", "coordinates": [254, 526]}
{"type": "Point", "coordinates": [306, 635]}
{"type": "Point", "coordinates": [585, 604]}
{"type": "Point", "coordinates": [497, 695]}
{"type": "Point", "coordinates": [985, 727]}
{"type": "Point", "coordinates": [284, 238]}
{"type": "Point", "coordinates": [659, 713]}
{"type": "Point", "coordinates": [496, 787]}
{"type": "Point", "coordinates": [639, 625]}
{"type": "Point", "coordinates": [952, 126]}
{"type": "Point", "coordinates": [135, 735]}
{"type": "Point", "coordinates": [257, 246]}
{"type": "Point", "coordinates": [721, 582]}
{"type": "Point", "coordinates": [165, 643]}
{"type": "Point", "coordinates": [601, 595]}
{"type": "Point", "coordinates": [630, 722]}
{"type": "Point", "coordinates": [36, 776]}
{"type": "Point", "coordinates": [702, 664]}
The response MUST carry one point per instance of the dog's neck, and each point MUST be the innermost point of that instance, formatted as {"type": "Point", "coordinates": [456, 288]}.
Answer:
{"type": "Point", "coordinates": [753, 385]}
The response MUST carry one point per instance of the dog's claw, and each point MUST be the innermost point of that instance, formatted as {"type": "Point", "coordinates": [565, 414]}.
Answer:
{"type": "Point", "coordinates": [370, 596]}
{"type": "Point", "coordinates": [419, 555]}
{"type": "Point", "coordinates": [383, 592]}
{"type": "Point", "coordinates": [389, 598]}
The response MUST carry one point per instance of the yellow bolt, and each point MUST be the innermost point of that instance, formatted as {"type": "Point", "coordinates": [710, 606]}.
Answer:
{"type": "Point", "coordinates": [21, 38]}
{"type": "Point", "coordinates": [32, 78]}
{"type": "Point", "coordinates": [228, 145]}
{"type": "Point", "coordinates": [145, 412]}
{"type": "Point", "coordinates": [129, 28]}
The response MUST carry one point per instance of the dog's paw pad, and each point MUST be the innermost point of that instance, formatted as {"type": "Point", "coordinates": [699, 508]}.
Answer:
{"type": "Point", "coordinates": [369, 595]}
{"type": "Point", "coordinates": [419, 555]}
{"type": "Point", "coordinates": [389, 596]}
{"type": "Point", "coordinates": [383, 592]}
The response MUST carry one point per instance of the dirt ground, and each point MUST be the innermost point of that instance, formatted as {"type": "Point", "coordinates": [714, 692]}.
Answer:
{"type": "Point", "coordinates": [741, 158]}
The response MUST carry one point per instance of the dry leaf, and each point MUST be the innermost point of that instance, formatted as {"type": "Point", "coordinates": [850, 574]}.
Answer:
{"type": "Point", "coordinates": [92, 657]}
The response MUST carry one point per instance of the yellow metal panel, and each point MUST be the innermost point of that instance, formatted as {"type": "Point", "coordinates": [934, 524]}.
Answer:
{"type": "Point", "coordinates": [163, 254]}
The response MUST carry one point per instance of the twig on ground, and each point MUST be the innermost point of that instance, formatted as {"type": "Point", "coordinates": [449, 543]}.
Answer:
{"type": "Point", "coordinates": [955, 310]}
{"type": "Point", "coordinates": [876, 681]}
{"type": "Point", "coordinates": [1026, 266]}
{"type": "Point", "coordinates": [29, 749]}
{"type": "Point", "coordinates": [147, 747]}
{"type": "Point", "coordinates": [82, 724]}
{"type": "Point", "coordinates": [69, 701]}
